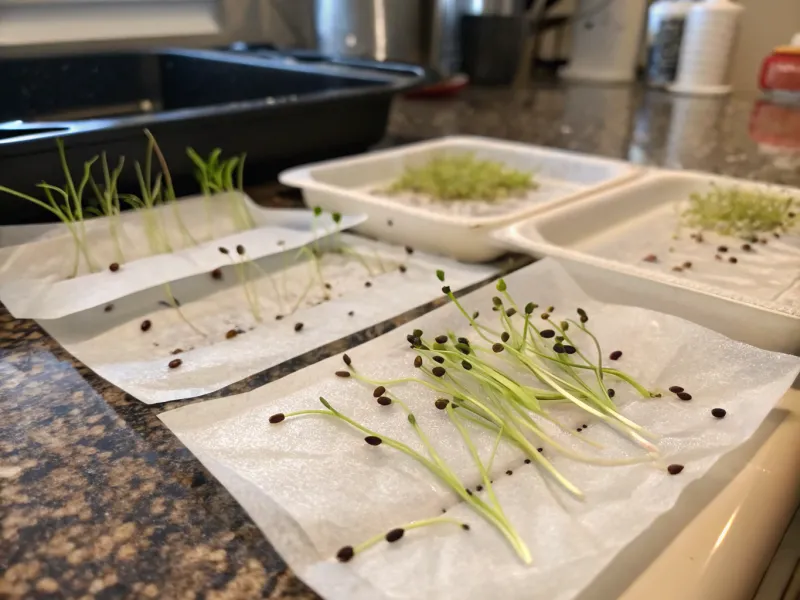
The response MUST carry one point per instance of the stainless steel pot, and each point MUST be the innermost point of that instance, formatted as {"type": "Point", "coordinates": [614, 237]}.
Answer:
{"type": "Point", "coordinates": [421, 32]}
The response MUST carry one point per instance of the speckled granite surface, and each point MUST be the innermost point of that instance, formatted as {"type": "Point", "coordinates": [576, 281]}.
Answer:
{"type": "Point", "coordinates": [98, 500]}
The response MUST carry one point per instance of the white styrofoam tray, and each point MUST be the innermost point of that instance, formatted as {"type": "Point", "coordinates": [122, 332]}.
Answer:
{"type": "Point", "coordinates": [460, 230]}
{"type": "Point", "coordinates": [603, 239]}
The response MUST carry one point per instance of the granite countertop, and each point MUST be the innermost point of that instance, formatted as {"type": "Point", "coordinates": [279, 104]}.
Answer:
{"type": "Point", "coordinates": [99, 500]}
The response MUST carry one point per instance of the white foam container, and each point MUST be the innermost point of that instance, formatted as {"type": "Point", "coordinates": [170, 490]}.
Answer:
{"type": "Point", "coordinates": [350, 184]}
{"type": "Point", "coordinates": [592, 236]}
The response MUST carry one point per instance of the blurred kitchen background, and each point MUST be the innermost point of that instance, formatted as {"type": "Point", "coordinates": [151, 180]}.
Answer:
{"type": "Point", "coordinates": [377, 27]}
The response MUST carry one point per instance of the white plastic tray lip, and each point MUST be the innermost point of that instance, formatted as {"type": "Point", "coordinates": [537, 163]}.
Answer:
{"type": "Point", "coordinates": [303, 177]}
{"type": "Point", "coordinates": [512, 237]}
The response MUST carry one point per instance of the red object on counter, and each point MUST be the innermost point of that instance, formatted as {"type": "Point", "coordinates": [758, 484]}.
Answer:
{"type": "Point", "coordinates": [780, 71]}
{"type": "Point", "coordinates": [776, 125]}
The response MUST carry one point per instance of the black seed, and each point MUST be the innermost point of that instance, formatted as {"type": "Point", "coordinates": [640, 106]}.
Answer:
{"type": "Point", "coordinates": [223, 250]}
{"type": "Point", "coordinates": [109, 308]}
{"type": "Point", "coordinates": [277, 418]}
{"type": "Point", "coordinates": [722, 249]}
{"type": "Point", "coordinates": [395, 534]}
{"type": "Point", "coordinates": [298, 326]}
{"type": "Point", "coordinates": [497, 347]}
{"type": "Point", "coordinates": [505, 337]}
{"type": "Point", "coordinates": [379, 391]}
{"type": "Point", "coordinates": [463, 348]}
{"type": "Point", "coordinates": [367, 284]}
{"type": "Point", "coordinates": [232, 333]}
{"type": "Point", "coordinates": [409, 250]}
{"type": "Point", "coordinates": [463, 340]}
{"type": "Point", "coordinates": [584, 319]}
{"type": "Point", "coordinates": [540, 449]}
{"type": "Point", "coordinates": [402, 268]}
{"type": "Point", "coordinates": [175, 363]}
{"type": "Point", "coordinates": [343, 374]}
{"type": "Point", "coordinates": [615, 355]}
{"type": "Point", "coordinates": [509, 472]}
{"type": "Point", "coordinates": [674, 469]}
{"type": "Point", "coordinates": [348, 361]}
{"type": "Point", "coordinates": [465, 527]}
{"type": "Point", "coordinates": [438, 371]}
{"type": "Point", "coordinates": [240, 249]}
{"type": "Point", "coordinates": [733, 260]}
{"type": "Point", "coordinates": [446, 289]}
{"type": "Point", "coordinates": [558, 349]}
{"type": "Point", "coordinates": [511, 312]}
{"type": "Point", "coordinates": [441, 403]}
{"type": "Point", "coordinates": [469, 491]}
{"type": "Point", "coordinates": [351, 313]}
{"type": "Point", "coordinates": [113, 267]}
{"type": "Point", "coordinates": [418, 362]}
{"type": "Point", "coordinates": [467, 366]}
{"type": "Point", "coordinates": [547, 333]}
{"type": "Point", "coordinates": [569, 349]}
{"type": "Point", "coordinates": [611, 392]}
{"type": "Point", "coordinates": [417, 333]}
{"type": "Point", "coordinates": [676, 389]}
{"type": "Point", "coordinates": [216, 274]}
{"type": "Point", "coordinates": [384, 401]}
{"type": "Point", "coordinates": [585, 426]}
{"type": "Point", "coordinates": [684, 396]}
{"type": "Point", "coordinates": [580, 312]}
{"type": "Point", "coordinates": [441, 339]}
{"type": "Point", "coordinates": [747, 247]}
{"type": "Point", "coordinates": [579, 429]}
{"type": "Point", "coordinates": [719, 412]}
{"type": "Point", "coordinates": [479, 488]}
{"type": "Point", "coordinates": [279, 317]}
{"type": "Point", "coordinates": [475, 315]}
{"type": "Point", "coordinates": [345, 554]}
{"type": "Point", "coordinates": [373, 440]}
{"type": "Point", "coordinates": [438, 359]}
{"type": "Point", "coordinates": [146, 325]}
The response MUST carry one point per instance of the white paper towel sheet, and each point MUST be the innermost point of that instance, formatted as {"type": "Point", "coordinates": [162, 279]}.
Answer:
{"type": "Point", "coordinates": [312, 485]}
{"type": "Point", "coordinates": [113, 345]}
{"type": "Point", "coordinates": [35, 277]}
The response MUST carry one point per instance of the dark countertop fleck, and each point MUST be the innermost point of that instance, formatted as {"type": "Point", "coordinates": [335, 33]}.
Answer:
{"type": "Point", "coordinates": [99, 500]}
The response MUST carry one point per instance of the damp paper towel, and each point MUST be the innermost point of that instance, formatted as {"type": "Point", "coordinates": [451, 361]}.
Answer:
{"type": "Point", "coordinates": [312, 485]}
{"type": "Point", "coordinates": [364, 289]}
{"type": "Point", "coordinates": [35, 280]}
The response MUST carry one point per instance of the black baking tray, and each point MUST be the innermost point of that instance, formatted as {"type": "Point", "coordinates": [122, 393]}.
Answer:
{"type": "Point", "coordinates": [279, 110]}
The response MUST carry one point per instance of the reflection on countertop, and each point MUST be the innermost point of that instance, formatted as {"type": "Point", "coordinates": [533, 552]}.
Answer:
{"type": "Point", "coordinates": [99, 500]}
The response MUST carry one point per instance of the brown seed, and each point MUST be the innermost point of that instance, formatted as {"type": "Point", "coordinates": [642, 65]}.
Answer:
{"type": "Point", "coordinates": [733, 260]}
{"type": "Point", "coordinates": [279, 317]}
{"type": "Point", "coordinates": [395, 534]}
{"type": "Point", "coordinates": [497, 347]}
{"type": "Point", "coordinates": [719, 413]}
{"type": "Point", "coordinates": [146, 325]}
{"type": "Point", "coordinates": [378, 391]}
{"type": "Point", "coordinates": [441, 339]}
{"type": "Point", "coordinates": [175, 363]}
{"type": "Point", "coordinates": [685, 396]}
{"type": "Point", "coordinates": [345, 554]}
{"type": "Point", "coordinates": [373, 440]}
{"type": "Point", "coordinates": [764, 240]}
{"type": "Point", "coordinates": [277, 418]}
{"type": "Point", "coordinates": [505, 337]}
{"type": "Point", "coordinates": [747, 247]}
{"type": "Point", "coordinates": [418, 362]}
{"type": "Point", "coordinates": [687, 265]}
{"type": "Point", "coordinates": [403, 268]}
{"type": "Point", "coordinates": [438, 359]}
{"type": "Point", "coordinates": [678, 269]}
{"type": "Point", "coordinates": [327, 285]}
{"type": "Point", "coordinates": [367, 284]}
{"type": "Point", "coordinates": [441, 403]}
{"type": "Point", "coordinates": [346, 359]}
{"type": "Point", "coordinates": [527, 461]}
{"type": "Point", "coordinates": [676, 389]}
{"type": "Point", "coordinates": [223, 250]}
{"type": "Point", "coordinates": [615, 355]}
{"type": "Point", "coordinates": [343, 374]}
{"type": "Point", "coordinates": [438, 371]}
{"type": "Point", "coordinates": [231, 334]}
{"type": "Point", "coordinates": [109, 307]}
{"type": "Point", "coordinates": [384, 401]}
{"type": "Point", "coordinates": [511, 312]}
{"type": "Point", "coordinates": [298, 326]}
{"type": "Point", "coordinates": [540, 449]}
{"type": "Point", "coordinates": [216, 274]}
{"type": "Point", "coordinates": [467, 366]}
{"type": "Point", "coordinates": [651, 258]}
{"type": "Point", "coordinates": [113, 267]}
{"type": "Point", "coordinates": [611, 392]}
{"type": "Point", "coordinates": [177, 351]}
{"type": "Point", "coordinates": [722, 249]}
{"type": "Point", "coordinates": [509, 472]}
{"type": "Point", "coordinates": [409, 250]}
{"type": "Point", "coordinates": [547, 333]}
{"type": "Point", "coordinates": [717, 257]}
{"type": "Point", "coordinates": [674, 469]}
{"type": "Point", "coordinates": [240, 249]}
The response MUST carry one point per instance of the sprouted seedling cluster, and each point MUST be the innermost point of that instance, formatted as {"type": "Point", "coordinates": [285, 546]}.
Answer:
{"type": "Point", "coordinates": [463, 177]}
{"type": "Point", "coordinates": [478, 379]}
{"type": "Point", "coordinates": [69, 203]}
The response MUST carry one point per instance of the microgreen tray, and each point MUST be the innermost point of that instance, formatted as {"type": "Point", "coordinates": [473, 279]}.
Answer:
{"type": "Point", "coordinates": [459, 229]}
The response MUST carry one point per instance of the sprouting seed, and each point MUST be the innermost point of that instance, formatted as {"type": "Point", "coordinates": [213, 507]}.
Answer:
{"type": "Point", "coordinates": [439, 359]}
{"type": "Point", "coordinates": [475, 315]}
{"type": "Point", "coordinates": [569, 349]}
{"type": "Point", "coordinates": [418, 362]}
{"type": "Point", "coordinates": [463, 340]}
{"type": "Point", "coordinates": [733, 260]}
{"type": "Point", "coordinates": [558, 349]}
{"type": "Point", "coordinates": [343, 374]}
{"type": "Point", "coordinates": [379, 391]}
{"type": "Point", "coordinates": [719, 413]}
{"type": "Point", "coordinates": [113, 267]}
{"type": "Point", "coordinates": [685, 396]}
{"type": "Point", "coordinates": [441, 339]}
{"type": "Point", "coordinates": [441, 403]}
{"type": "Point", "coordinates": [529, 308]}
{"type": "Point", "coordinates": [345, 554]}
{"type": "Point", "coordinates": [615, 355]}
{"type": "Point", "coordinates": [395, 534]}
{"type": "Point", "coordinates": [440, 275]}
{"type": "Point", "coordinates": [240, 250]}
{"type": "Point", "coordinates": [216, 274]}
{"type": "Point", "coordinates": [497, 348]}
{"type": "Point", "coordinates": [175, 363]}
{"type": "Point", "coordinates": [559, 338]}
{"type": "Point", "coordinates": [146, 325]}
{"type": "Point", "coordinates": [446, 289]}
{"type": "Point", "coordinates": [611, 392]}
{"type": "Point", "coordinates": [545, 316]}
{"type": "Point", "coordinates": [223, 250]}
{"type": "Point", "coordinates": [298, 326]}
{"type": "Point", "coordinates": [232, 333]}
{"type": "Point", "coordinates": [496, 301]}
{"type": "Point", "coordinates": [674, 469]}
{"type": "Point", "coordinates": [109, 308]}
{"type": "Point", "coordinates": [277, 418]}
{"type": "Point", "coordinates": [501, 285]}
{"type": "Point", "coordinates": [547, 333]}
{"type": "Point", "coordinates": [467, 366]}
{"type": "Point", "coordinates": [511, 312]}
{"type": "Point", "coordinates": [384, 401]}
{"type": "Point", "coordinates": [584, 319]}
{"type": "Point", "coordinates": [564, 326]}
{"type": "Point", "coordinates": [469, 491]}
{"type": "Point", "coordinates": [506, 336]}
{"type": "Point", "coordinates": [581, 312]}
{"type": "Point", "coordinates": [348, 361]}
{"type": "Point", "coordinates": [317, 211]}
{"type": "Point", "coordinates": [373, 440]}
{"type": "Point", "coordinates": [676, 389]}
{"type": "Point", "coordinates": [438, 371]}
{"type": "Point", "coordinates": [402, 268]}
{"type": "Point", "coordinates": [417, 333]}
